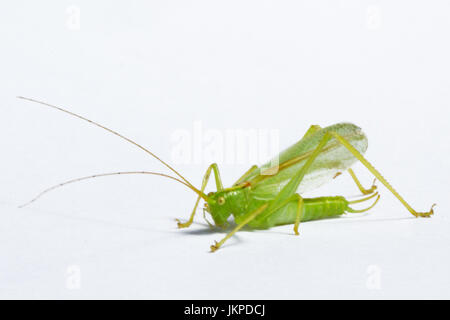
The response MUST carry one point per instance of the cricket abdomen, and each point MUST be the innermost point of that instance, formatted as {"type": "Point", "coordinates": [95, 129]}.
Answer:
{"type": "Point", "coordinates": [313, 209]}
{"type": "Point", "coordinates": [323, 207]}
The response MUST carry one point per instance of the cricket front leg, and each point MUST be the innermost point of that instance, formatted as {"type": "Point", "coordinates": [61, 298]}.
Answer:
{"type": "Point", "coordinates": [249, 218]}
{"type": "Point", "coordinates": [219, 187]}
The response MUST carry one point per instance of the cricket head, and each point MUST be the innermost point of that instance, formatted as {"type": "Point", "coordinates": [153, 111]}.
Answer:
{"type": "Point", "coordinates": [218, 206]}
{"type": "Point", "coordinates": [221, 204]}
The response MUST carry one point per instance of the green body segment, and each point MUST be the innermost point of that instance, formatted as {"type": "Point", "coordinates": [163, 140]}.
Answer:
{"type": "Point", "coordinates": [312, 209]}
{"type": "Point", "coordinates": [239, 203]}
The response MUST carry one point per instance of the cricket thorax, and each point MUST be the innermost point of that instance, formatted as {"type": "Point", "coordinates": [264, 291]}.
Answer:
{"type": "Point", "coordinates": [226, 202]}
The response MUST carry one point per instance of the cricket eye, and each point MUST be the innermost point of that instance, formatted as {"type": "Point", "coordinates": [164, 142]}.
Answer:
{"type": "Point", "coordinates": [221, 200]}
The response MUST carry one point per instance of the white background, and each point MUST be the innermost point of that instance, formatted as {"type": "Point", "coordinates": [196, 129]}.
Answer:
{"type": "Point", "coordinates": [148, 69]}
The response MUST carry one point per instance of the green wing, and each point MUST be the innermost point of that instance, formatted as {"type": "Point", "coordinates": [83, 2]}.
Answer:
{"type": "Point", "coordinates": [267, 181]}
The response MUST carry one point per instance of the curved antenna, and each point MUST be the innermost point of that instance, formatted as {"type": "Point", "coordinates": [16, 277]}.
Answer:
{"type": "Point", "coordinates": [112, 174]}
{"type": "Point", "coordinates": [109, 130]}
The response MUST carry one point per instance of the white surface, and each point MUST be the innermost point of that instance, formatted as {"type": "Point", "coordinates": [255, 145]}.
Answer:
{"type": "Point", "coordinates": [150, 69]}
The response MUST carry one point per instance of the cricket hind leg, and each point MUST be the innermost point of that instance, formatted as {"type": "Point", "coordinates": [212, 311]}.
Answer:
{"type": "Point", "coordinates": [315, 128]}
{"type": "Point", "coordinates": [212, 167]}
{"type": "Point", "coordinates": [249, 218]}
{"type": "Point", "coordinates": [312, 129]}
{"type": "Point", "coordinates": [290, 188]}
{"type": "Point", "coordinates": [378, 175]}
{"type": "Point", "coordinates": [359, 185]}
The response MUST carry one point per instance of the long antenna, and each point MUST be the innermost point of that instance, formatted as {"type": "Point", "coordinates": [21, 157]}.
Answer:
{"type": "Point", "coordinates": [110, 130]}
{"type": "Point", "coordinates": [112, 174]}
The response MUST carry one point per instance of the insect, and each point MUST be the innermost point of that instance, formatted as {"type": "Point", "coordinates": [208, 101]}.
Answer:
{"type": "Point", "coordinates": [270, 195]}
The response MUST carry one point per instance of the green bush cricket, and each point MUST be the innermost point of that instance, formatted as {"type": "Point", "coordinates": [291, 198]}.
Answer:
{"type": "Point", "coordinates": [269, 195]}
